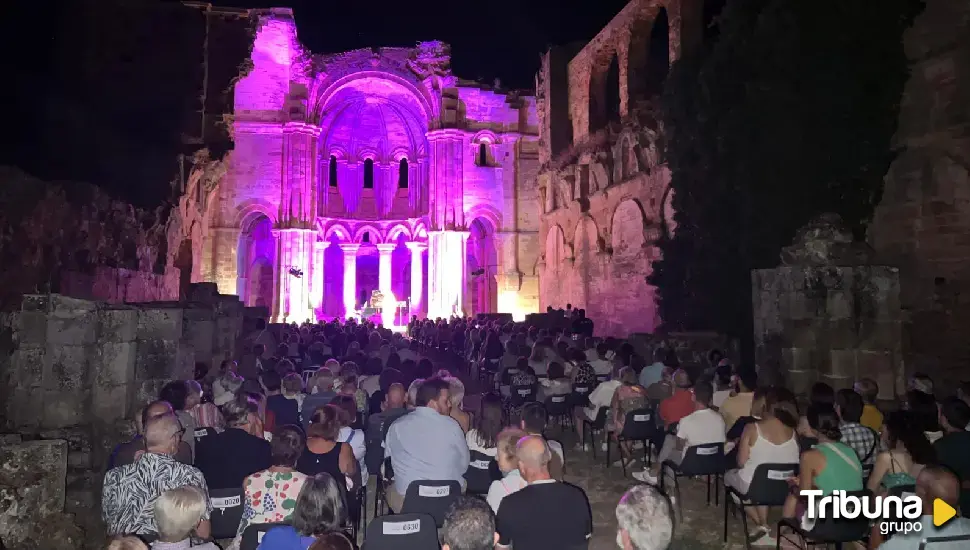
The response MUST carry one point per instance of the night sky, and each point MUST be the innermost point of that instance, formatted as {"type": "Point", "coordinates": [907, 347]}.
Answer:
{"type": "Point", "coordinates": [496, 39]}
{"type": "Point", "coordinates": [68, 121]}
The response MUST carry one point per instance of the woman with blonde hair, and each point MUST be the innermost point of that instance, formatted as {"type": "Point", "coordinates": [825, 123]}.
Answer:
{"type": "Point", "coordinates": [456, 394]}
{"type": "Point", "coordinates": [509, 465]}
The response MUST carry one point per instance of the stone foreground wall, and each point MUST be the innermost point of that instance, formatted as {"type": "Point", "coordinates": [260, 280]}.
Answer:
{"type": "Point", "coordinates": [78, 372]}
{"type": "Point", "coordinates": [118, 286]}
{"type": "Point", "coordinates": [829, 324]}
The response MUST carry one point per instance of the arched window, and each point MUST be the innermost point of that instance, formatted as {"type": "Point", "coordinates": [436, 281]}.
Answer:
{"type": "Point", "coordinates": [402, 174]}
{"type": "Point", "coordinates": [482, 154]}
{"type": "Point", "coordinates": [369, 174]}
{"type": "Point", "coordinates": [333, 171]}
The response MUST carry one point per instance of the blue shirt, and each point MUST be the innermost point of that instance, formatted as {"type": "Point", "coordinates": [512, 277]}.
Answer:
{"type": "Point", "coordinates": [651, 374]}
{"type": "Point", "coordinates": [426, 445]}
{"type": "Point", "coordinates": [284, 538]}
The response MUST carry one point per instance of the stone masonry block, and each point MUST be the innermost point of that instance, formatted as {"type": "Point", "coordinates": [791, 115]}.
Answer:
{"type": "Point", "coordinates": [117, 365]}
{"type": "Point", "coordinates": [72, 327]}
{"type": "Point", "coordinates": [33, 328]}
{"type": "Point", "coordinates": [28, 367]}
{"type": "Point", "coordinates": [110, 403]}
{"type": "Point", "coordinates": [36, 302]}
{"type": "Point", "coordinates": [160, 323]}
{"type": "Point", "coordinates": [38, 470]}
{"type": "Point", "coordinates": [68, 368]}
{"type": "Point", "coordinates": [145, 392]}
{"type": "Point", "coordinates": [63, 408]}
{"type": "Point", "coordinates": [842, 363]}
{"type": "Point", "coordinates": [839, 305]}
{"type": "Point", "coordinates": [118, 324]}
{"type": "Point", "coordinates": [25, 408]}
{"type": "Point", "coordinates": [155, 359]}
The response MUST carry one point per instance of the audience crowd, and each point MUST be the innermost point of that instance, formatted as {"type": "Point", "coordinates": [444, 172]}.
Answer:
{"type": "Point", "coordinates": [276, 451]}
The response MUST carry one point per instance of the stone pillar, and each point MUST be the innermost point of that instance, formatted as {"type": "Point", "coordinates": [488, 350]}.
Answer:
{"type": "Point", "coordinates": [350, 277]}
{"type": "Point", "coordinates": [316, 275]}
{"type": "Point", "coordinates": [417, 276]}
{"type": "Point", "coordinates": [446, 272]}
{"type": "Point", "coordinates": [293, 296]}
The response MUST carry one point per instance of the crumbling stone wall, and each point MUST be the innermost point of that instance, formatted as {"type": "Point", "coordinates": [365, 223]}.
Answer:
{"type": "Point", "coordinates": [922, 224]}
{"type": "Point", "coordinates": [828, 315]}
{"type": "Point", "coordinates": [78, 372]}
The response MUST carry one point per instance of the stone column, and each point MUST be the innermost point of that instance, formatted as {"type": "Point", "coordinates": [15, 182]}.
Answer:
{"type": "Point", "coordinates": [294, 275]}
{"type": "Point", "coordinates": [417, 276]}
{"type": "Point", "coordinates": [384, 268]}
{"type": "Point", "coordinates": [350, 277]}
{"type": "Point", "coordinates": [316, 274]}
{"type": "Point", "coordinates": [446, 272]}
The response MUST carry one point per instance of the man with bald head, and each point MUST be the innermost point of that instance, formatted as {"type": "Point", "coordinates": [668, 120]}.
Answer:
{"type": "Point", "coordinates": [126, 452]}
{"type": "Point", "coordinates": [934, 482]}
{"type": "Point", "coordinates": [546, 513]}
{"type": "Point", "coordinates": [129, 493]}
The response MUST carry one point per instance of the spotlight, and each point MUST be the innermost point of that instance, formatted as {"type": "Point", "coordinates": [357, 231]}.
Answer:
{"type": "Point", "coordinates": [295, 272]}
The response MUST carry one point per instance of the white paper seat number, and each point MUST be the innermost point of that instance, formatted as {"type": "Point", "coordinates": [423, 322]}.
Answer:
{"type": "Point", "coordinates": [226, 502]}
{"type": "Point", "coordinates": [780, 475]}
{"type": "Point", "coordinates": [641, 418]}
{"type": "Point", "coordinates": [429, 491]}
{"type": "Point", "coordinates": [478, 465]}
{"type": "Point", "coordinates": [402, 527]}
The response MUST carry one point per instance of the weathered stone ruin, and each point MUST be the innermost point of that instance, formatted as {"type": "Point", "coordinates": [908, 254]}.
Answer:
{"type": "Point", "coordinates": [827, 314]}
{"type": "Point", "coordinates": [75, 374]}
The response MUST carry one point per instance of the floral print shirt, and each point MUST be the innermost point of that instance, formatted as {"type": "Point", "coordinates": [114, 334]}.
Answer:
{"type": "Point", "coordinates": [269, 497]}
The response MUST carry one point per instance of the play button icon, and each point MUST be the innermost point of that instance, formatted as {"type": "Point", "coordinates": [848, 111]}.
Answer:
{"type": "Point", "coordinates": [942, 512]}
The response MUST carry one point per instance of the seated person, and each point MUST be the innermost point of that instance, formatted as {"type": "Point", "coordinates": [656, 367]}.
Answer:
{"type": "Point", "coordinates": [770, 440]}
{"type": "Point", "coordinates": [285, 411]}
{"type": "Point", "coordinates": [178, 513]}
{"type": "Point", "coordinates": [700, 427]}
{"type": "Point", "coordinates": [828, 467]}
{"type": "Point", "coordinates": [934, 482]}
{"type": "Point", "coordinates": [270, 495]}
{"type": "Point", "coordinates": [908, 451]}
{"type": "Point", "coordinates": [600, 398]}
{"type": "Point", "coordinates": [532, 420]}
{"type": "Point", "coordinates": [557, 383]}
{"type": "Point", "coordinates": [319, 510]}
{"type": "Point", "coordinates": [227, 458]}
{"type": "Point", "coordinates": [508, 464]}
{"type": "Point", "coordinates": [489, 422]}
{"type": "Point", "coordinates": [871, 415]}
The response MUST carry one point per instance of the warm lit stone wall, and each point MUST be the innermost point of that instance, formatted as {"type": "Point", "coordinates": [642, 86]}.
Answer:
{"type": "Point", "coordinates": [605, 198]}
{"type": "Point", "coordinates": [922, 224]}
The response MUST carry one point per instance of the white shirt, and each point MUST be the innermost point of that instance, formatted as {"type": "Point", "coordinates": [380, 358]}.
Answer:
{"type": "Point", "coordinates": [601, 366]}
{"type": "Point", "coordinates": [504, 487]}
{"type": "Point", "coordinates": [701, 427]}
{"type": "Point", "coordinates": [358, 444]}
{"type": "Point", "coordinates": [602, 396]}
{"type": "Point", "coordinates": [472, 439]}
{"type": "Point", "coordinates": [719, 397]}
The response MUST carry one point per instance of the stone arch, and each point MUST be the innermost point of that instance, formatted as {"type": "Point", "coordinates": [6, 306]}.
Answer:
{"type": "Point", "coordinates": [256, 260]}
{"type": "Point", "coordinates": [420, 232]}
{"type": "Point", "coordinates": [337, 152]}
{"type": "Point", "coordinates": [395, 232]}
{"type": "Point", "coordinates": [628, 229]}
{"type": "Point", "coordinates": [482, 265]}
{"type": "Point", "coordinates": [322, 94]}
{"type": "Point", "coordinates": [337, 229]}
{"type": "Point", "coordinates": [253, 207]}
{"type": "Point", "coordinates": [486, 136]}
{"type": "Point", "coordinates": [556, 249]}
{"type": "Point", "coordinates": [399, 153]}
{"type": "Point", "coordinates": [375, 235]}
{"type": "Point", "coordinates": [586, 238]}
{"type": "Point", "coordinates": [365, 153]}
{"type": "Point", "coordinates": [486, 212]}
{"type": "Point", "coordinates": [604, 91]}
{"type": "Point", "coordinates": [649, 56]}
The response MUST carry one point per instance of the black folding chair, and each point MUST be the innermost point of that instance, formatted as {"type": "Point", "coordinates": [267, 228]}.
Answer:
{"type": "Point", "coordinates": [432, 497]}
{"type": "Point", "coordinates": [478, 476]}
{"type": "Point", "coordinates": [699, 460]}
{"type": "Point", "coordinates": [507, 375]}
{"type": "Point", "coordinates": [640, 425]}
{"type": "Point", "coordinates": [594, 426]}
{"type": "Point", "coordinates": [522, 394]}
{"type": "Point", "coordinates": [768, 487]}
{"type": "Point", "coordinates": [826, 531]}
{"type": "Point", "coordinates": [227, 510]}
{"type": "Point", "coordinates": [253, 535]}
{"type": "Point", "coordinates": [199, 433]}
{"type": "Point", "coordinates": [580, 395]}
{"type": "Point", "coordinates": [558, 408]}
{"type": "Point", "coordinates": [402, 532]}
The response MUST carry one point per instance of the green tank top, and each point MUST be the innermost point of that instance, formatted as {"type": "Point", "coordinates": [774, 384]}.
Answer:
{"type": "Point", "coordinates": [842, 471]}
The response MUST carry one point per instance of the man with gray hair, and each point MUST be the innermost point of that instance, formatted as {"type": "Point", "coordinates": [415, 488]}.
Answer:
{"type": "Point", "coordinates": [469, 525]}
{"type": "Point", "coordinates": [129, 493]}
{"type": "Point", "coordinates": [125, 453]}
{"type": "Point", "coordinates": [546, 513]}
{"type": "Point", "coordinates": [645, 520]}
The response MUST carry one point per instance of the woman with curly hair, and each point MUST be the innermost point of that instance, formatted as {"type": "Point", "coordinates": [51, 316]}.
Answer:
{"type": "Point", "coordinates": [908, 451]}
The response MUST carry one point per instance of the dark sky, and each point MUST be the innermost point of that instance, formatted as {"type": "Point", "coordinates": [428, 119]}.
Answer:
{"type": "Point", "coordinates": [498, 39]}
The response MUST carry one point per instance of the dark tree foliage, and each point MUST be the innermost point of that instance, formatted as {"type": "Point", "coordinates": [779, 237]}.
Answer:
{"type": "Point", "coordinates": [789, 114]}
